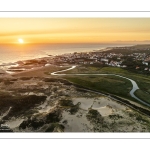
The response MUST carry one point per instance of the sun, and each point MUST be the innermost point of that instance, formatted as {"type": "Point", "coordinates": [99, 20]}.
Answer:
{"type": "Point", "coordinates": [20, 41]}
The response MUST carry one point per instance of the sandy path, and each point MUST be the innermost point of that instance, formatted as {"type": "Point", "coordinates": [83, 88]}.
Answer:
{"type": "Point", "coordinates": [6, 113]}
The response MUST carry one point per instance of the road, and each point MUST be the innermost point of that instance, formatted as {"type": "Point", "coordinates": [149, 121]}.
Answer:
{"type": "Point", "coordinates": [134, 84]}
{"type": "Point", "coordinates": [6, 113]}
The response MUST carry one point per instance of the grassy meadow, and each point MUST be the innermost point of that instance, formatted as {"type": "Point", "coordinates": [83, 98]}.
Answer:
{"type": "Point", "coordinates": [111, 84]}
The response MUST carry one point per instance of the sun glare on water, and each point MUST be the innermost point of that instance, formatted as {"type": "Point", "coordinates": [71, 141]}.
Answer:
{"type": "Point", "coordinates": [20, 41]}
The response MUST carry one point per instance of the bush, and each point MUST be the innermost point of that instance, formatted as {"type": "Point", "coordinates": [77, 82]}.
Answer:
{"type": "Point", "coordinates": [94, 116]}
{"type": "Point", "coordinates": [66, 103]}
{"type": "Point", "coordinates": [19, 104]}
{"type": "Point", "coordinates": [54, 126]}
{"type": "Point", "coordinates": [34, 123]}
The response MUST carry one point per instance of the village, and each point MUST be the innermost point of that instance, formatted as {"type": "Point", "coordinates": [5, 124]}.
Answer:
{"type": "Point", "coordinates": [139, 60]}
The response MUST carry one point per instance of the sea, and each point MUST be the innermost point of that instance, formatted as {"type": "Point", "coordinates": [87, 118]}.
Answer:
{"type": "Point", "coordinates": [11, 53]}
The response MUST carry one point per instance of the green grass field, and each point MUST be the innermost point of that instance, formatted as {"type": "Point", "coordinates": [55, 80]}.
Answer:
{"type": "Point", "coordinates": [112, 84]}
{"type": "Point", "coordinates": [143, 95]}
{"type": "Point", "coordinates": [106, 84]}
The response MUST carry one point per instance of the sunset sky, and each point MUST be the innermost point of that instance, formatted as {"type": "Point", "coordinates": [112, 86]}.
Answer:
{"type": "Point", "coordinates": [74, 30]}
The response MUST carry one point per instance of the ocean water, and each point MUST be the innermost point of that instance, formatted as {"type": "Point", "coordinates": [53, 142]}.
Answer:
{"type": "Point", "coordinates": [13, 53]}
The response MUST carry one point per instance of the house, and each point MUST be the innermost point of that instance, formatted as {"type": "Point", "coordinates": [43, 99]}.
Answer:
{"type": "Point", "coordinates": [104, 59]}
{"type": "Point", "coordinates": [145, 63]}
{"type": "Point", "coordinates": [146, 69]}
{"type": "Point", "coordinates": [124, 66]}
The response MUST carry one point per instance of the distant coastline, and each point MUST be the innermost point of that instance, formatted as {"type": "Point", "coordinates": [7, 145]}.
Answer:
{"type": "Point", "coordinates": [15, 66]}
{"type": "Point", "coordinates": [10, 54]}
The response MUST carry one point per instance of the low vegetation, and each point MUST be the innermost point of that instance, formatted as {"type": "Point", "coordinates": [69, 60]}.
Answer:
{"type": "Point", "coordinates": [121, 87]}
{"type": "Point", "coordinates": [68, 105]}
{"type": "Point", "coordinates": [57, 80]}
{"type": "Point", "coordinates": [143, 95]}
{"type": "Point", "coordinates": [35, 123]}
{"type": "Point", "coordinates": [94, 116]}
{"type": "Point", "coordinates": [55, 127]}
{"type": "Point", "coordinates": [19, 104]}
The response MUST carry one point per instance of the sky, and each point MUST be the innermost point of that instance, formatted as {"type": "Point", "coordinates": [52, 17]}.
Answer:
{"type": "Point", "coordinates": [74, 30]}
